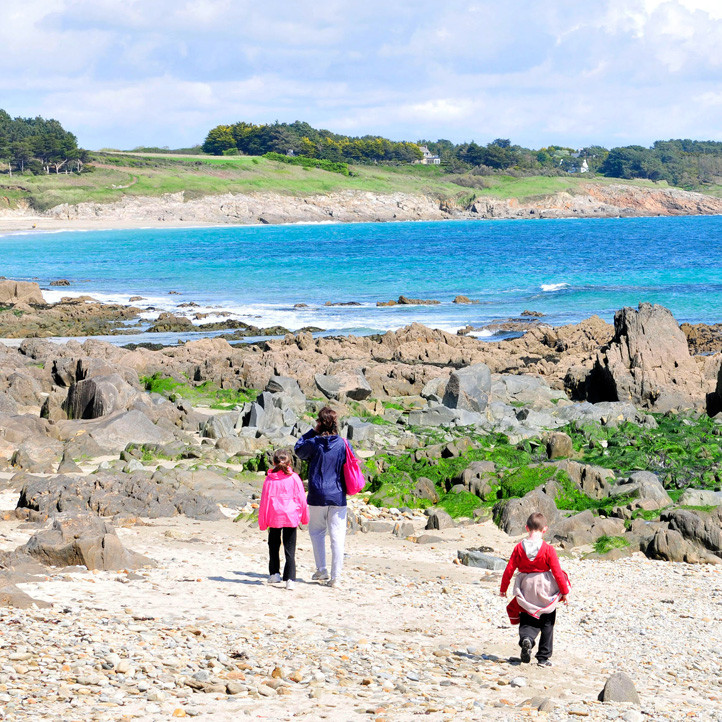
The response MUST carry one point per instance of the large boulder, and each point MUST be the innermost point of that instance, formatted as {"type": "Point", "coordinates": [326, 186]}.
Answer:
{"type": "Point", "coordinates": [113, 433]}
{"type": "Point", "coordinates": [669, 545]}
{"type": "Point", "coordinates": [583, 528]}
{"type": "Point", "coordinates": [703, 529]}
{"type": "Point", "coordinates": [287, 393]}
{"type": "Point", "coordinates": [647, 363]}
{"type": "Point", "coordinates": [469, 388]}
{"type": "Point", "coordinates": [99, 396]}
{"type": "Point", "coordinates": [348, 384]}
{"type": "Point", "coordinates": [38, 454]}
{"type": "Point", "coordinates": [513, 513]}
{"type": "Point", "coordinates": [141, 494]}
{"type": "Point", "coordinates": [82, 540]}
{"type": "Point", "coordinates": [645, 486]}
{"type": "Point", "coordinates": [594, 481]}
{"type": "Point", "coordinates": [700, 497]}
{"type": "Point", "coordinates": [14, 292]}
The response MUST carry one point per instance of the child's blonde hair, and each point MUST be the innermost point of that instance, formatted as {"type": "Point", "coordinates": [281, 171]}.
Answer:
{"type": "Point", "coordinates": [282, 461]}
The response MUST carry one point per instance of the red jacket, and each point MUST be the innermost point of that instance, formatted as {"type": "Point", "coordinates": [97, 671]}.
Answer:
{"type": "Point", "coordinates": [545, 560]}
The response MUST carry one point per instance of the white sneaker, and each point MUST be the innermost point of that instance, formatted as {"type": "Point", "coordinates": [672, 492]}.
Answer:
{"type": "Point", "coordinates": [290, 585]}
{"type": "Point", "coordinates": [320, 575]}
{"type": "Point", "coordinates": [274, 578]}
{"type": "Point", "coordinates": [333, 583]}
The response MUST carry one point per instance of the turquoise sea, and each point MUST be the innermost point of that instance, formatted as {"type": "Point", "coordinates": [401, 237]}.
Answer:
{"type": "Point", "coordinates": [566, 269]}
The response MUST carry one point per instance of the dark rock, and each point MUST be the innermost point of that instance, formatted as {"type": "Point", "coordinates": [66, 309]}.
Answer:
{"type": "Point", "coordinates": [619, 688]}
{"type": "Point", "coordinates": [170, 323]}
{"type": "Point", "coordinates": [464, 300]}
{"type": "Point", "coordinates": [83, 540]}
{"type": "Point", "coordinates": [60, 282]}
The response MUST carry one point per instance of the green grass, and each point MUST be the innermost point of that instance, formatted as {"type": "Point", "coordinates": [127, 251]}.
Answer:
{"type": "Point", "coordinates": [205, 394]}
{"type": "Point", "coordinates": [607, 543]}
{"type": "Point", "coordinates": [120, 174]}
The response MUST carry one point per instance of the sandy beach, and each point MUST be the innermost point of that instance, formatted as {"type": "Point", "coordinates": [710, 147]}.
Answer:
{"type": "Point", "coordinates": [409, 633]}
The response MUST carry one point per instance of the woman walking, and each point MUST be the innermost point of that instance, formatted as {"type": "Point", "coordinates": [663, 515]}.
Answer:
{"type": "Point", "coordinates": [325, 451]}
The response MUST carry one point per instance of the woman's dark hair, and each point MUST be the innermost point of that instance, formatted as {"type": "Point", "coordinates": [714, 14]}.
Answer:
{"type": "Point", "coordinates": [283, 461]}
{"type": "Point", "coordinates": [327, 422]}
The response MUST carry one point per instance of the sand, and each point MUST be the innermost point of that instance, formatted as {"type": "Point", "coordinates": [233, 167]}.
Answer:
{"type": "Point", "coordinates": [409, 633]}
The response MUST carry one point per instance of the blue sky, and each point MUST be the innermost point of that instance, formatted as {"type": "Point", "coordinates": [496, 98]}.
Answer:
{"type": "Point", "coordinates": [123, 73]}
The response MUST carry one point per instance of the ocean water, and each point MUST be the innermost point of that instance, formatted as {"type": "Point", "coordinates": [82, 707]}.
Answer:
{"type": "Point", "coordinates": [566, 269]}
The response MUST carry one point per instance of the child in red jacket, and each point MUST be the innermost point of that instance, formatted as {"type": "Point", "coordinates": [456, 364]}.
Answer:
{"type": "Point", "coordinates": [540, 585]}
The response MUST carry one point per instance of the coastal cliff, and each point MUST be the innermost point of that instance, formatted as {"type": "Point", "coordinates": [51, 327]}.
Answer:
{"type": "Point", "coordinates": [591, 200]}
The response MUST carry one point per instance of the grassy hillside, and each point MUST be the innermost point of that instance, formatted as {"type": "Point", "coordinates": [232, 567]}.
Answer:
{"type": "Point", "coordinates": [121, 174]}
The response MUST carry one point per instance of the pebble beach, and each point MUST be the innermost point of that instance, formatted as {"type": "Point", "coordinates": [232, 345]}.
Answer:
{"type": "Point", "coordinates": [410, 632]}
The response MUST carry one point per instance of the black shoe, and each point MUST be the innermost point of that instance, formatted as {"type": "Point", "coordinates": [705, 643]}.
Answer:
{"type": "Point", "coordinates": [526, 647]}
{"type": "Point", "coordinates": [544, 663]}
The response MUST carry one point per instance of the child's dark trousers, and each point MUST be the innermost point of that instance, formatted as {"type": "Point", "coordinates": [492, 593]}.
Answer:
{"type": "Point", "coordinates": [530, 626]}
{"type": "Point", "coordinates": [289, 549]}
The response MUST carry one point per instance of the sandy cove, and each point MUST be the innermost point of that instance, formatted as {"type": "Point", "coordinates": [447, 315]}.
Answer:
{"type": "Point", "coordinates": [410, 633]}
{"type": "Point", "coordinates": [174, 210]}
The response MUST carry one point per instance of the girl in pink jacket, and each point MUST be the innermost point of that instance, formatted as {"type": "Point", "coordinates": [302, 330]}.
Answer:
{"type": "Point", "coordinates": [283, 507]}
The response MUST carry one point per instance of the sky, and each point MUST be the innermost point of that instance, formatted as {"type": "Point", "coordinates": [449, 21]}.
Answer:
{"type": "Point", "coordinates": [125, 73]}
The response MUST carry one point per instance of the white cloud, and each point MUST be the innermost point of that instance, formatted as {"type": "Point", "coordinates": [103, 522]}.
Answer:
{"type": "Point", "coordinates": [166, 71]}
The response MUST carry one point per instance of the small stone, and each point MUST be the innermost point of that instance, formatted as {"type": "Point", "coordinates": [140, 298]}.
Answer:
{"type": "Point", "coordinates": [518, 682]}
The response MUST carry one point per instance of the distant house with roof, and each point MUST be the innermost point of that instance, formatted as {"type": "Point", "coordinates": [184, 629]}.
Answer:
{"type": "Point", "coordinates": [429, 157]}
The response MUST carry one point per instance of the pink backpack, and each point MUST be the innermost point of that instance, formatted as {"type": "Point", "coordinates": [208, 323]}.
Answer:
{"type": "Point", "coordinates": [352, 475]}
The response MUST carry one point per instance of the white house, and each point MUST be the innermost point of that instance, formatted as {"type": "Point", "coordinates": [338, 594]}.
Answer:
{"type": "Point", "coordinates": [429, 158]}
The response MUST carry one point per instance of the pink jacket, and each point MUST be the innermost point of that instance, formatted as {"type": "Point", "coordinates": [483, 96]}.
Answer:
{"type": "Point", "coordinates": [283, 501]}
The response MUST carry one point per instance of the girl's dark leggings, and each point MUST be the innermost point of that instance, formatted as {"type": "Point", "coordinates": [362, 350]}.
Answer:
{"type": "Point", "coordinates": [289, 549]}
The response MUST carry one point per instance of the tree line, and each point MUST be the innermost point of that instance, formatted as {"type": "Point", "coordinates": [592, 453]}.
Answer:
{"type": "Point", "coordinates": [301, 139]}
{"type": "Point", "coordinates": [686, 163]}
{"type": "Point", "coordinates": [37, 145]}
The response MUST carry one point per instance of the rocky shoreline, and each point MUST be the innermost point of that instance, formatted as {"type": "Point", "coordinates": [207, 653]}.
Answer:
{"type": "Point", "coordinates": [592, 200]}
{"type": "Point", "coordinates": [126, 466]}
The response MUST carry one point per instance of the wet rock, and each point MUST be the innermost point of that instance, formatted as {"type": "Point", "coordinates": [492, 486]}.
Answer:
{"type": "Point", "coordinates": [170, 323]}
